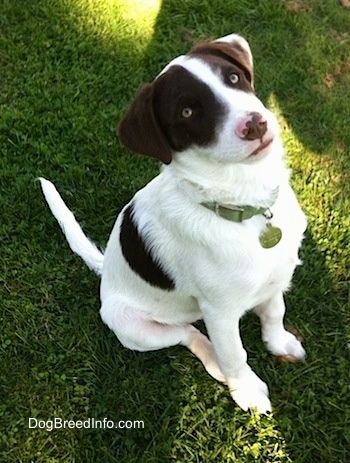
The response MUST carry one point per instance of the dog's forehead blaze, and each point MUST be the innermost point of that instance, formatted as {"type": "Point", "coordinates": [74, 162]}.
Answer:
{"type": "Point", "coordinates": [233, 52]}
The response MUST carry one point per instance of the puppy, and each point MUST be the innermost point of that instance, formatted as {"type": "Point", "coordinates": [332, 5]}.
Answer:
{"type": "Point", "coordinates": [215, 234]}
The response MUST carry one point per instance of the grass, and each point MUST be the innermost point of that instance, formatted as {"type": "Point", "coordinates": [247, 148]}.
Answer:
{"type": "Point", "coordinates": [69, 70]}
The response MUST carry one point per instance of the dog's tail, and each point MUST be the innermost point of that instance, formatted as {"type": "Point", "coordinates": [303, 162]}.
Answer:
{"type": "Point", "coordinates": [77, 240]}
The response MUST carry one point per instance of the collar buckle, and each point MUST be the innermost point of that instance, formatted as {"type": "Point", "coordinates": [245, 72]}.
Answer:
{"type": "Point", "coordinates": [237, 211]}
{"type": "Point", "coordinates": [233, 212]}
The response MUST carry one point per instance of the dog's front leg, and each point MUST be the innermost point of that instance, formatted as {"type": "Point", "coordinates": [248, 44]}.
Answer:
{"type": "Point", "coordinates": [246, 388]}
{"type": "Point", "coordinates": [278, 340]}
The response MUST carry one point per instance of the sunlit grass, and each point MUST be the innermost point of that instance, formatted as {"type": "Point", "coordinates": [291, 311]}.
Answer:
{"type": "Point", "coordinates": [315, 175]}
{"type": "Point", "coordinates": [142, 13]}
{"type": "Point", "coordinates": [120, 17]}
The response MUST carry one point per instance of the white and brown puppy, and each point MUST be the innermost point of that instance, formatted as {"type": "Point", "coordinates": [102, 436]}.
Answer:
{"type": "Point", "coordinates": [215, 234]}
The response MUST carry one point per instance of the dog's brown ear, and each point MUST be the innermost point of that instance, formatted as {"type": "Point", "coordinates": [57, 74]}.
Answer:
{"type": "Point", "coordinates": [139, 130]}
{"type": "Point", "coordinates": [234, 48]}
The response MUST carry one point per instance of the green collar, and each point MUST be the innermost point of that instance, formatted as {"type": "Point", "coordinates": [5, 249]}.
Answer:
{"type": "Point", "coordinates": [234, 213]}
{"type": "Point", "coordinates": [240, 213]}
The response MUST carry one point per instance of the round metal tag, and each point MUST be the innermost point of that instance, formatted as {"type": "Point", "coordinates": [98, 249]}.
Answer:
{"type": "Point", "coordinates": [270, 237]}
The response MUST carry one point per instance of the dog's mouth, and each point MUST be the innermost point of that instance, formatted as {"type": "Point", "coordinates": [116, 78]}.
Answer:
{"type": "Point", "coordinates": [262, 146]}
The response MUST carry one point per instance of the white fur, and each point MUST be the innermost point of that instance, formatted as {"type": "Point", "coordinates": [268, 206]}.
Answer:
{"type": "Point", "coordinates": [76, 238]}
{"type": "Point", "coordinates": [219, 267]}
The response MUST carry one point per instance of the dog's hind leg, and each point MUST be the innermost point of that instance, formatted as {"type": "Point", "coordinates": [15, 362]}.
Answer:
{"type": "Point", "coordinates": [136, 332]}
{"type": "Point", "coordinates": [202, 348]}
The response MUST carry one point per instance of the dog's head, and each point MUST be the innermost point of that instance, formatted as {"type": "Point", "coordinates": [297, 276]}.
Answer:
{"type": "Point", "coordinates": [204, 101]}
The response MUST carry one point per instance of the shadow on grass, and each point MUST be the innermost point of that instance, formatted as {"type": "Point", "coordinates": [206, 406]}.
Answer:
{"type": "Point", "coordinates": [72, 88]}
{"type": "Point", "coordinates": [312, 397]}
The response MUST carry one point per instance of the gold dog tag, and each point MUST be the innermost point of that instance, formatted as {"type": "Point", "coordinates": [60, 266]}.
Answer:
{"type": "Point", "coordinates": [270, 237]}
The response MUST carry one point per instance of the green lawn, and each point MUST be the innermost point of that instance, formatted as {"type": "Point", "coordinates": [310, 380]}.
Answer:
{"type": "Point", "coordinates": [68, 71]}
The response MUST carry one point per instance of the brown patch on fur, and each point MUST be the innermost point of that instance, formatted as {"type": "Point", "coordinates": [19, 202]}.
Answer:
{"type": "Point", "coordinates": [154, 125]}
{"type": "Point", "coordinates": [232, 53]}
{"type": "Point", "coordinates": [139, 130]}
{"type": "Point", "coordinates": [137, 255]}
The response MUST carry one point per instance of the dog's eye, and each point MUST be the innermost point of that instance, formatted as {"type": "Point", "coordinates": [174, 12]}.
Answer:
{"type": "Point", "coordinates": [186, 113]}
{"type": "Point", "coordinates": [234, 78]}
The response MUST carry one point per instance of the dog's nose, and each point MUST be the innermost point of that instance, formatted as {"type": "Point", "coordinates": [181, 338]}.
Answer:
{"type": "Point", "coordinates": [252, 127]}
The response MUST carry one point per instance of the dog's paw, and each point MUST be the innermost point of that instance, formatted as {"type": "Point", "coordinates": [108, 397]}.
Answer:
{"type": "Point", "coordinates": [250, 392]}
{"type": "Point", "coordinates": [286, 347]}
